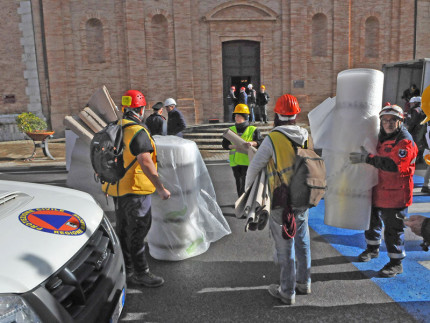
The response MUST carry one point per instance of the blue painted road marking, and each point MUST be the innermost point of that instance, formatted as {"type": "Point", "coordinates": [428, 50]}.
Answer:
{"type": "Point", "coordinates": [410, 289]}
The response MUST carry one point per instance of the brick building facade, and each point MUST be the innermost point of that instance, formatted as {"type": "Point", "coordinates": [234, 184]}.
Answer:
{"type": "Point", "coordinates": [58, 52]}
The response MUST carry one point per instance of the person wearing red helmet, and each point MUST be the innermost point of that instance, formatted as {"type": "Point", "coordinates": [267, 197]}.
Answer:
{"type": "Point", "coordinates": [132, 194]}
{"type": "Point", "coordinates": [231, 101]}
{"type": "Point", "coordinates": [395, 160]}
{"type": "Point", "coordinates": [277, 155]}
{"type": "Point", "coordinates": [243, 97]}
{"type": "Point", "coordinates": [262, 100]}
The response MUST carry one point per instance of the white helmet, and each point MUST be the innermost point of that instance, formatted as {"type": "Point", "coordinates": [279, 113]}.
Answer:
{"type": "Point", "coordinates": [249, 86]}
{"type": "Point", "coordinates": [169, 101]}
{"type": "Point", "coordinates": [415, 99]}
{"type": "Point", "coordinates": [394, 110]}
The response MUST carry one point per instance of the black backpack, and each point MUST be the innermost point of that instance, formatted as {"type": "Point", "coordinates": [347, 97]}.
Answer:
{"type": "Point", "coordinates": [106, 151]}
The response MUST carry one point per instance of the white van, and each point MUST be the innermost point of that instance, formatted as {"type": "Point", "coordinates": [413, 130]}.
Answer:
{"type": "Point", "coordinates": [60, 258]}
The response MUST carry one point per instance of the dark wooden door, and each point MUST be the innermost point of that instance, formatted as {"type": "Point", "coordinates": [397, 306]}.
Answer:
{"type": "Point", "coordinates": [240, 66]}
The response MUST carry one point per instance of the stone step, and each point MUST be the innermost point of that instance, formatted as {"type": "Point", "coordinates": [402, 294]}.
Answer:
{"type": "Point", "coordinates": [221, 127]}
{"type": "Point", "coordinates": [207, 141]}
{"type": "Point", "coordinates": [211, 147]}
{"type": "Point", "coordinates": [214, 155]}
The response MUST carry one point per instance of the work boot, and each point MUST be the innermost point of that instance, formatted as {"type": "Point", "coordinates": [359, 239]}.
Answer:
{"type": "Point", "coordinates": [425, 189]}
{"type": "Point", "coordinates": [274, 291]}
{"type": "Point", "coordinates": [129, 273]}
{"type": "Point", "coordinates": [368, 254]}
{"type": "Point", "coordinates": [303, 289]}
{"type": "Point", "coordinates": [391, 269]}
{"type": "Point", "coordinates": [147, 279]}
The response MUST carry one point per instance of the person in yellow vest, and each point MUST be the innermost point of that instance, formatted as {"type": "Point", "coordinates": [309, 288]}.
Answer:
{"type": "Point", "coordinates": [289, 226]}
{"type": "Point", "coordinates": [132, 194]}
{"type": "Point", "coordinates": [238, 161]}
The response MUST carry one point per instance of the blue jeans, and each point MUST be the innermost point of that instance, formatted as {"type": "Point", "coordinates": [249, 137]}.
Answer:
{"type": "Point", "coordinates": [286, 252]}
{"type": "Point", "coordinates": [251, 112]}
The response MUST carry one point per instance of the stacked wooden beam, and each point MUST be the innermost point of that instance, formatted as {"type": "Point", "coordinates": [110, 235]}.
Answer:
{"type": "Point", "coordinates": [99, 111]}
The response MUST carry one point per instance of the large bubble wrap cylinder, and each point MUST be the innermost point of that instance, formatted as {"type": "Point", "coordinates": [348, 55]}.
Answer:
{"type": "Point", "coordinates": [354, 123]}
{"type": "Point", "coordinates": [184, 225]}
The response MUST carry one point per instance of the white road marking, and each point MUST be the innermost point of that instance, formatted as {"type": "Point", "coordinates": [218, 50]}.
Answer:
{"type": "Point", "coordinates": [230, 289]}
{"type": "Point", "coordinates": [133, 291]}
{"type": "Point", "coordinates": [133, 316]}
{"type": "Point", "coordinates": [425, 263]}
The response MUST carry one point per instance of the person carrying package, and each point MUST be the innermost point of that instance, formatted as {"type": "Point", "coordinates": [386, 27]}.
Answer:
{"type": "Point", "coordinates": [176, 121]}
{"type": "Point", "coordinates": [132, 193]}
{"type": "Point", "coordinates": [277, 154]}
{"type": "Point", "coordinates": [239, 161]}
{"type": "Point", "coordinates": [395, 161]}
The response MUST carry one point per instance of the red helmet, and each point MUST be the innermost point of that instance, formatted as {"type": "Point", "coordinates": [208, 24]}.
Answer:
{"type": "Point", "coordinates": [233, 88]}
{"type": "Point", "coordinates": [287, 105]}
{"type": "Point", "coordinates": [133, 99]}
{"type": "Point", "coordinates": [242, 88]}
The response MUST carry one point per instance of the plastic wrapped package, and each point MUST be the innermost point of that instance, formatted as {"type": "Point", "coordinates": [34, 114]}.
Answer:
{"type": "Point", "coordinates": [320, 122]}
{"type": "Point", "coordinates": [354, 123]}
{"type": "Point", "coordinates": [184, 225]}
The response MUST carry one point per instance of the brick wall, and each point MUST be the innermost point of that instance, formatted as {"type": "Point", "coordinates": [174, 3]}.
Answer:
{"type": "Point", "coordinates": [423, 28]}
{"type": "Point", "coordinates": [167, 48]}
{"type": "Point", "coordinates": [12, 68]}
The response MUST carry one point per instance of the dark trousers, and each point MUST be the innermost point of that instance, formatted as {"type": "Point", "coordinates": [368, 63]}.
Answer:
{"type": "Point", "coordinates": [263, 112]}
{"type": "Point", "coordinates": [393, 233]}
{"type": "Point", "coordinates": [239, 173]}
{"type": "Point", "coordinates": [133, 221]}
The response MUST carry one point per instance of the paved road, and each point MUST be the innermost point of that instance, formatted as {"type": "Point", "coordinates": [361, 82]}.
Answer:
{"type": "Point", "coordinates": [228, 283]}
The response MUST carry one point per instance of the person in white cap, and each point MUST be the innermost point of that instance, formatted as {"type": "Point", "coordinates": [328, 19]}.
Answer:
{"type": "Point", "coordinates": [175, 119]}
{"type": "Point", "coordinates": [395, 161]}
{"type": "Point", "coordinates": [252, 100]}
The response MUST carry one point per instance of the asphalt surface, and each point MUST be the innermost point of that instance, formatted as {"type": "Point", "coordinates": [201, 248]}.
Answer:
{"type": "Point", "coordinates": [228, 283]}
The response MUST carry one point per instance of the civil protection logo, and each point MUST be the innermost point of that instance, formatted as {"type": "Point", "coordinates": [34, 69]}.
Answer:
{"type": "Point", "coordinates": [55, 221]}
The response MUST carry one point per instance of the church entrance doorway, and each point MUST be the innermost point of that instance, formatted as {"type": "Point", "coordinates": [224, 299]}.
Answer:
{"type": "Point", "coordinates": [240, 67]}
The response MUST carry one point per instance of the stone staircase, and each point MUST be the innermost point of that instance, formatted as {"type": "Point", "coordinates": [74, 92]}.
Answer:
{"type": "Point", "coordinates": [208, 138]}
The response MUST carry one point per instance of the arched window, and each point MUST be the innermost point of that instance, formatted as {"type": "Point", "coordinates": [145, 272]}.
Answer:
{"type": "Point", "coordinates": [371, 37]}
{"type": "Point", "coordinates": [319, 35]}
{"type": "Point", "coordinates": [160, 37]}
{"type": "Point", "coordinates": [95, 41]}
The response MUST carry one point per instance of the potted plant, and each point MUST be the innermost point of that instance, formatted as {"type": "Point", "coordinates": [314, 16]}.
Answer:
{"type": "Point", "coordinates": [33, 126]}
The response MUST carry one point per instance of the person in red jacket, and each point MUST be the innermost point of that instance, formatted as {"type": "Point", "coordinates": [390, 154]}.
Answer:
{"type": "Point", "coordinates": [395, 160]}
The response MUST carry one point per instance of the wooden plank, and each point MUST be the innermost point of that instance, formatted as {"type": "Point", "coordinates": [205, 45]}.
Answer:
{"type": "Point", "coordinates": [79, 128]}
{"type": "Point", "coordinates": [102, 104]}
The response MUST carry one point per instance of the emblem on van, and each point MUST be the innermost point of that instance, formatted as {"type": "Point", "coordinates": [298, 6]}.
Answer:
{"type": "Point", "coordinates": [55, 221]}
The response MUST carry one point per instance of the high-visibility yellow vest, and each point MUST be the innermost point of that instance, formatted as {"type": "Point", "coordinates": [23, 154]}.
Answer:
{"type": "Point", "coordinates": [235, 157]}
{"type": "Point", "coordinates": [134, 180]}
{"type": "Point", "coordinates": [282, 171]}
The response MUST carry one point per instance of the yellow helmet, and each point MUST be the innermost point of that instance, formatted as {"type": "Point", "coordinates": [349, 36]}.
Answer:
{"type": "Point", "coordinates": [425, 104]}
{"type": "Point", "coordinates": [241, 108]}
